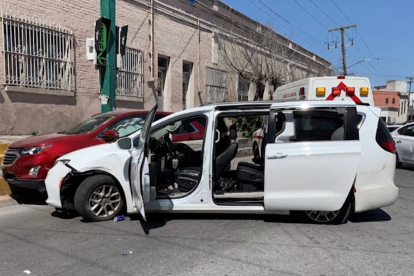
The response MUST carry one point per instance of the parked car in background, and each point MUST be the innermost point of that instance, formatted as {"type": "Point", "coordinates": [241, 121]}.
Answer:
{"type": "Point", "coordinates": [391, 128]}
{"type": "Point", "coordinates": [27, 161]}
{"type": "Point", "coordinates": [351, 166]}
{"type": "Point", "coordinates": [404, 138]}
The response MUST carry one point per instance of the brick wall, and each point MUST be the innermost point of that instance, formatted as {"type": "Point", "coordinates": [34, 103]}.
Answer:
{"type": "Point", "coordinates": [174, 37]}
{"type": "Point", "coordinates": [380, 98]}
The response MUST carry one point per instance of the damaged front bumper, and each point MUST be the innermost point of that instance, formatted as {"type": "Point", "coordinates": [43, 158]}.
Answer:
{"type": "Point", "coordinates": [53, 184]}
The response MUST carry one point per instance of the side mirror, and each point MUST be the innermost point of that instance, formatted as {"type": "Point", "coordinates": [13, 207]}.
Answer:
{"type": "Point", "coordinates": [110, 135]}
{"type": "Point", "coordinates": [125, 143]}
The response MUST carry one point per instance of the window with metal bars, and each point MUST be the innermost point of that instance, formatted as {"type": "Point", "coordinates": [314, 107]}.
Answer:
{"type": "Point", "coordinates": [130, 76]}
{"type": "Point", "coordinates": [37, 55]}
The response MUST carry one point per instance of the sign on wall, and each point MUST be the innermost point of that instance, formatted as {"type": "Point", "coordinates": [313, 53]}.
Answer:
{"type": "Point", "coordinates": [102, 30]}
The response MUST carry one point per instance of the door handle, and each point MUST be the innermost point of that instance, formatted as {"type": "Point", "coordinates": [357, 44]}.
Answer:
{"type": "Point", "coordinates": [277, 156]}
{"type": "Point", "coordinates": [398, 142]}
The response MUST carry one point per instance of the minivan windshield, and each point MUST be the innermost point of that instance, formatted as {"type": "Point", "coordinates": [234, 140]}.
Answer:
{"type": "Point", "coordinates": [90, 124]}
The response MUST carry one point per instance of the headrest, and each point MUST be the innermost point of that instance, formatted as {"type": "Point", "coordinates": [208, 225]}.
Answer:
{"type": "Point", "coordinates": [233, 132]}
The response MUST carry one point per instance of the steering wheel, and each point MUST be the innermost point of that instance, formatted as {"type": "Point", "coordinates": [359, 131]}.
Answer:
{"type": "Point", "coordinates": [170, 146]}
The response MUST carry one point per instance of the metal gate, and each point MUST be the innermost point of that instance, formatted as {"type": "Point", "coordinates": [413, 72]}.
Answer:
{"type": "Point", "coordinates": [130, 77]}
{"type": "Point", "coordinates": [216, 85]}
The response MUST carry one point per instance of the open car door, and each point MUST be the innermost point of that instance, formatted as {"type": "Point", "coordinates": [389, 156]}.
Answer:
{"type": "Point", "coordinates": [311, 156]}
{"type": "Point", "coordinates": [139, 175]}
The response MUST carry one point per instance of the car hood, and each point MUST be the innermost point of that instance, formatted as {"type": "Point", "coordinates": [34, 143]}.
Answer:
{"type": "Point", "coordinates": [47, 139]}
{"type": "Point", "coordinates": [104, 157]}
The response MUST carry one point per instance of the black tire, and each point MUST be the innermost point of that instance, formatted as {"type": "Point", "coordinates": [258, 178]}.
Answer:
{"type": "Point", "coordinates": [86, 192]}
{"type": "Point", "coordinates": [256, 152]}
{"type": "Point", "coordinates": [398, 164]}
{"type": "Point", "coordinates": [340, 218]}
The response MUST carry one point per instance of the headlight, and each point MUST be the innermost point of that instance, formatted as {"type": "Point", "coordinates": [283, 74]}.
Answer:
{"type": "Point", "coordinates": [30, 151]}
{"type": "Point", "coordinates": [64, 161]}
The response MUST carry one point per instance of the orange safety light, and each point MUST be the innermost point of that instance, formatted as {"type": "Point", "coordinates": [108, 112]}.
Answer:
{"type": "Point", "coordinates": [336, 91]}
{"type": "Point", "coordinates": [363, 91]}
{"type": "Point", "coordinates": [320, 91]}
{"type": "Point", "coordinates": [350, 91]}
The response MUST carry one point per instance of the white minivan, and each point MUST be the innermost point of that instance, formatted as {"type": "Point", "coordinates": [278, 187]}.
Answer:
{"type": "Point", "coordinates": [313, 164]}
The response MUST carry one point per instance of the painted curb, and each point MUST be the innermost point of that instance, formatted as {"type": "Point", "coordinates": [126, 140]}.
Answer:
{"type": "Point", "coordinates": [4, 187]}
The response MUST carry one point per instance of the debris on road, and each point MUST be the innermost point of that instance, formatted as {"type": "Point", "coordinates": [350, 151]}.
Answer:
{"type": "Point", "coordinates": [119, 218]}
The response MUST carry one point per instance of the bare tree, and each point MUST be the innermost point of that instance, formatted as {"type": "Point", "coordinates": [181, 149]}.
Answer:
{"type": "Point", "coordinates": [263, 57]}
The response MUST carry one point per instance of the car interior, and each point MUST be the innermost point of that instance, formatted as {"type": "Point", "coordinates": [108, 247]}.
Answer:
{"type": "Point", "coordinates": [175, 167]}
{"type": "Point", "coordinates": [238, 176]}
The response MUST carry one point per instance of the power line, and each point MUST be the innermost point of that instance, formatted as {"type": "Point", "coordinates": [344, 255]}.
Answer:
{"type": "Point", "coordinates": [269, 8]}
{"type": "Point", "coordinates": [366, 45]}
{"type": "Point", "coordinates": [278, 15]}
{"type": "Point", "coordinates": [323, 12]}
{"type": "Point", "coordinates": [307, 35]}
{"type": "Point", "coordinates": [341, 11]}
{"type": "Point", "coordinates": [362, 38]}
{"type": "Point", "coordinates": [314, 18]}
{"type": "Point", "coordinates": [309, 42]}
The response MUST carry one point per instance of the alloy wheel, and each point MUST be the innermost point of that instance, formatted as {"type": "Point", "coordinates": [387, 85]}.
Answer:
{"type": "Point", "coordinates": [322, 216]}
{"type": "Point", "coordinates": [105, 201]}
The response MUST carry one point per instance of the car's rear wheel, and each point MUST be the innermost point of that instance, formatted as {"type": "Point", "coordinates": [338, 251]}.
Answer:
{"type": "Point", "coordinates": [256, 152]}
{"type": "Point", "coordinates": [99, 198]}
{"type": "Point", "coordinates": [398, 164]}
{"type": "Point", "coordinates": [332, 217]}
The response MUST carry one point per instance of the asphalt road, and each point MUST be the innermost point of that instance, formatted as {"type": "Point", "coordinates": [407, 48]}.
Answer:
{"type": "Point", "coordinates": [379, 242]}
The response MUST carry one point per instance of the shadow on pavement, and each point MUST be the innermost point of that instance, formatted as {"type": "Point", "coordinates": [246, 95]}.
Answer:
{"type": "Point", "coordinates": [407, 167]}
{"type": "Point", "coordinates": [158, 220]}
{"type": "Point", "coordinates": [65, 214]}
{"type": "Point", "coordinates": [31, 198]}
{"type": "Point", "coordinates": [370, 216]}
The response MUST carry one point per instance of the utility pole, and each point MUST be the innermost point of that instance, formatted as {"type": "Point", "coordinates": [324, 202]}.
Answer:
{"type": "Point", "coordinates": [410, 78]}
{"type": "Point", "coordinates": [107, 74]}
{"type": "Point", "coordinates": [342, 29]}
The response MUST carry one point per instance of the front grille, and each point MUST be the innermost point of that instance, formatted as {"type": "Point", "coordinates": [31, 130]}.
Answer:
{"type": "Point", "coordinates": [10, 156]}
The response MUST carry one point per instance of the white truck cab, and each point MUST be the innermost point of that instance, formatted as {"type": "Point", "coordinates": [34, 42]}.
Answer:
{"type": "Point", "coordinates": [337, 88]}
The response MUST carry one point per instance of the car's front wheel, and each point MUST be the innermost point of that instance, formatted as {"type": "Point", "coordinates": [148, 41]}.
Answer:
{"type": "Point", "coordinates": [99, 198]}
{"type": "Point", "coordinates": [332, 217]}
{"type": "Point", "coordinates": [256, 152]}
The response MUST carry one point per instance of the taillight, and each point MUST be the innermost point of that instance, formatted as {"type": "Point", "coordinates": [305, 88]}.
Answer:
{"type": "Point", "coordinates": [384, 138]}
{"type": "Point", "coordinates": [302, 93]}
{"type": "Point", "coordinates": [336, 91]}
{"type": "Point", "coordinates": [350, 91]}
{"type": "Point", "coordinates": [340, 77]}
{"type": "Point", "coordinates": [388, 146]}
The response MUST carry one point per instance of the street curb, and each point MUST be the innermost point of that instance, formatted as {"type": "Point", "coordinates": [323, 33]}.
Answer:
{"type": "Point", "coordinates": [4, 187]}
{"type": "Point", "coordinates": [7, 201]}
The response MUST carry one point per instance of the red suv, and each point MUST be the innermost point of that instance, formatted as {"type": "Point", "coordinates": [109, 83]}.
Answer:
{"type": "Point", "coordinates": [27, 162]}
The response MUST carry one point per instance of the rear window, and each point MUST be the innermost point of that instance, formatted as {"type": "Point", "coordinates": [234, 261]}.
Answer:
{"type": "Point", "coordinates": [383, 134]}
